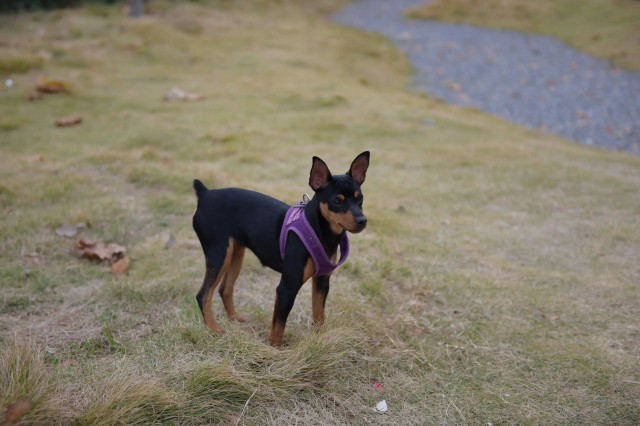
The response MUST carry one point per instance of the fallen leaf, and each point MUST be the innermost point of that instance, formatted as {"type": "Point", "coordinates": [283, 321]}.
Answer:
{"type": "Point", "coordinates": [45, 55]}
{"type": "Point", "coordinates": [35, 96]}
{"type": "Point", "coordinates": [67, 121]}
{"type": "Point", "coordinates": [100, 251]}
{"type": "Point", "coordinates": [33, 259]}
{"type": "Point", "coordinates": [170, 242]}
{"type": "Point", "coordinates": [176, 94]}
{"type": "Point", "coordinates": [113, 253]}
{"type": "Point", "coordinates": [452, 85]}
{"type": "Point", "coordinates": [16, 411]}
{"type": "Point", "coordinates": [120, 266]}
{"type": "Point", "coordinates": [69, 231]}
{"type": "Point", "coordinates": [583, 122]}
{"type": "Point", "coordinates": [53, 86]}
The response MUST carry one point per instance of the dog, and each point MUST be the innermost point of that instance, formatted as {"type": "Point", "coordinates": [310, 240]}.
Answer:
{"type": "Point", "coordinates": [299, 241]}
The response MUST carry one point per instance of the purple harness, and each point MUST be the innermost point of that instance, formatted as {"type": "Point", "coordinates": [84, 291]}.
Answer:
{"type": "Point", "coordinates": [296, 221]}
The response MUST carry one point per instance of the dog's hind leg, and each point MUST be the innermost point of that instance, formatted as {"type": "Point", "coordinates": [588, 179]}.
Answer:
{"type": "Point", "coordinates": [218, 261]}
{"type": "Point", "coordinates": [228, 283]}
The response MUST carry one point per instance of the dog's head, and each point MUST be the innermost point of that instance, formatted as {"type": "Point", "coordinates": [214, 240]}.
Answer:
{"type": "Point", "coordinates": [340, 196]}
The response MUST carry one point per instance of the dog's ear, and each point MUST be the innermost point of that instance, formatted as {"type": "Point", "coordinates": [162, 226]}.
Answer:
{"type": "Point", "coordinates": [358, 169]}
{"type": "Point", "coordinates": [320, 175]}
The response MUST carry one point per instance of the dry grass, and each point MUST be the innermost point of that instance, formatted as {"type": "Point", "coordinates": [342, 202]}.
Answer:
{"type": "Point", "coordinates": [497, 281]}
{"type": "Point", "coordinates": [604, 28]}
{"type": "Point", "coordinates": [26, 383]}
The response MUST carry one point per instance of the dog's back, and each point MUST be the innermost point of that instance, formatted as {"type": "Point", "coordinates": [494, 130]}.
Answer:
{"type": "Point", "coordinates": [251, 218]}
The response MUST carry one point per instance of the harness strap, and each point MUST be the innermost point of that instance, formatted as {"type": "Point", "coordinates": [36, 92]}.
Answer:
{"type": "Point", "coordinates": [296, 221]}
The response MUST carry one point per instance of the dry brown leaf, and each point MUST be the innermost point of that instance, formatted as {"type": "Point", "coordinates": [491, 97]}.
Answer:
{"type": "Point", "coordinates": [70, 120]}
{"type": "Point", "coordinates": [452, 85]}
{"type": "Point", "coordinates": [33, 259]}
{"type": "Point", "coordinates": [120, 266]}
{"type": "Point", "coordinates": [69, 231]}
{"type": "Point", "coordinates": [16, 411]}
{"type": "Point", "coordinates": [100, 251]}
{"type": "Point", "coordinates": [113, 253]}
{"type": "Point", "coordinates": [176, 94]}
{"type": "Point", "coordinates": [53, 86]}
{"type": "Point", "coordinates": [170, 242]}
{"type": "Point", "coordinates": [35, 96]}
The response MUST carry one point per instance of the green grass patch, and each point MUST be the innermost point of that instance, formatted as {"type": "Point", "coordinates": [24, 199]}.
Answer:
{"type": "Point", "coordinates": [603, 28]}
{"type": "Point", "coordinates": [19, 64]}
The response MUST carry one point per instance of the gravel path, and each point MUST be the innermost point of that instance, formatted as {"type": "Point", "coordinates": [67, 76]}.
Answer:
{"type": "Point", "coordinates": [533, 80]}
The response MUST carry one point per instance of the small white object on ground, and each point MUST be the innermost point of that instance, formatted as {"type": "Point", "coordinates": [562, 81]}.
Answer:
{"type": "Point", "coordinates": [381, 407]}
{"type": "Point", "coordinates": [176, 94]}
{"type": "Point", "coordinates": [8, 82]}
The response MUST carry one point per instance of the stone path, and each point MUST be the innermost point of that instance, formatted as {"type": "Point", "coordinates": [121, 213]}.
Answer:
{"type": "Point", "coordinates": [533, 80]}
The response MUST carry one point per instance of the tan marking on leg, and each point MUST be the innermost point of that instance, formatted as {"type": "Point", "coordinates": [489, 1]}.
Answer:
{"type": "Point", "coordinates": [276, 333]}
{"type": "Point", "coordinates": [317, 304]}
{"type": "Point", "coordinates": [277, 327]}
{"type": "Point", "coordinates": [309, 270]}
{"type": "Point", "coordinates": [226, 290]}
{"type": "Point", "coordinates": [209, 319]}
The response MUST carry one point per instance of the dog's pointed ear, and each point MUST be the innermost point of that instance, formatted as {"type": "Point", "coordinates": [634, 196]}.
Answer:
{"type": "Point", "coordinates": [358, 169]}
{"type": "Point", "coordinates": [320, 175]}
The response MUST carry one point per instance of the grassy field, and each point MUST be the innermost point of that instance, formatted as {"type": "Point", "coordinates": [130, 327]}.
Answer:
{"type": "Point", "coordinates": [497, 281]}
{"type": "Point", "coordinates": [609, 29]}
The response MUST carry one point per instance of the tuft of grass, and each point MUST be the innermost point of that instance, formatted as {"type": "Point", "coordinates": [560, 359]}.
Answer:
{"type": "Point", "coordinates": [127, 398]}
{"type": "Point", "coordinates": [603, 28]}
{"type": "Point", "coordinates": [19, 64]}
{"type": "Point", "coordinates": [9, 126]}
{"type": "Point", "coordinates": [371, 288]}
{"type": "Point", "coordinates": [217, 390]}
{"type": "Point", "coordinates": [26, 382]}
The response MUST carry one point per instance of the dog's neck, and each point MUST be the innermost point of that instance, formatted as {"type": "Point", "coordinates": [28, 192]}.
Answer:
{"type": "Point", "coordinates": [322, 228]}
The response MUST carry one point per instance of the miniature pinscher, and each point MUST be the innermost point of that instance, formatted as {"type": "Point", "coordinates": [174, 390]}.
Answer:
{"type": "Point", "coordinates": [231, 219]}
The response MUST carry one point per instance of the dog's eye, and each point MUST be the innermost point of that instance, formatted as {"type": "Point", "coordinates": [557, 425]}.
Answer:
{"type": "Point", "coordinates": [338, 200]}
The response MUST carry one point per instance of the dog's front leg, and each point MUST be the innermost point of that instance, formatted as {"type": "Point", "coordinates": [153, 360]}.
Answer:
{"type": "Point", "coordinates": [293, 276]}
{"type": "Point", "coordinates": [285, 297]}
{"type": "Point", "coordinates": [319, 294]}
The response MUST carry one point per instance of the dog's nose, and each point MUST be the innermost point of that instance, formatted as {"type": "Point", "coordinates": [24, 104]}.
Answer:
{"type": "Point", "coordinates": [361, 221]}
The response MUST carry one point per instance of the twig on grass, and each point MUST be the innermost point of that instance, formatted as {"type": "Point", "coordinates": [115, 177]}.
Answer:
{"type": "Point", "coordinates": [454, 406]}
{"type": "Point", "coordinates": [246, 405]}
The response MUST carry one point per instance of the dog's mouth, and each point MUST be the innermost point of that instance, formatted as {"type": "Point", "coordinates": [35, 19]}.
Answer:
{"type": "Point", "coordinates": [357, 229]}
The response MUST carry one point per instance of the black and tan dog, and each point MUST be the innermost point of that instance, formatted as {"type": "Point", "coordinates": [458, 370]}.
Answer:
{"type": "Point", "coordinates": [229, 220]}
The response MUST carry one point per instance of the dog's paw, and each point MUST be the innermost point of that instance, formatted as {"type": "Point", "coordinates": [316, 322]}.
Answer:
{"type": "Point", "coordinates": [238, 318]}
{"type": "Point", "coordinates": [215, 328]}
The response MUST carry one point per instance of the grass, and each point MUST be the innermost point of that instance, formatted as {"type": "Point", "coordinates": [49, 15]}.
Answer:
{"type": "Point", "coordinates": [497, 281]}
{"type": "Point", "coordinates": [19, 65]}
{"type": "Point", "coordinates": [607, 29]}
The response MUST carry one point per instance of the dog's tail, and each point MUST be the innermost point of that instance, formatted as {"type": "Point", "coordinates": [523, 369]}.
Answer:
{"type": "Point", "coordinates": [199, 187]}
